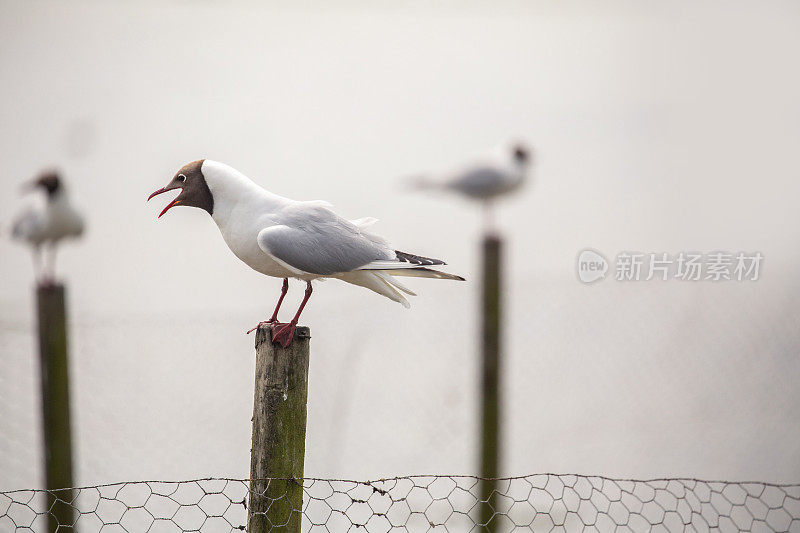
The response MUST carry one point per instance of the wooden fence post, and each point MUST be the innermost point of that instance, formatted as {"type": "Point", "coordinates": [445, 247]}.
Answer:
{"type": "Point", "coordinates": [52, 323]}
{"type": "Point", "coordinates": [279, 433]}
{"type": "Point", "coordinates": [491, 368]}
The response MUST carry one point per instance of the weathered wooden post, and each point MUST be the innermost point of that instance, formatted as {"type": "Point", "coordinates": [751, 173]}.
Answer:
{"type": "Point", "coordinates": [54, 368]}
{"type": "Point", "coordinates": [279, 433]}
{"type": "Point", "coordinates": [490, 378]}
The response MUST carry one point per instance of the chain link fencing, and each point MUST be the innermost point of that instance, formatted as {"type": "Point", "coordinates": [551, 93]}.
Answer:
{"type": "Point", "coordinates": [541, 502]}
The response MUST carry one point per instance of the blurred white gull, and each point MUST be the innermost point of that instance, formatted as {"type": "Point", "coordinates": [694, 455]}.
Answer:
{"type": "Point", "coordinates": [285, 238]}
{"type": "Point", "coordinates": [485, 179]}
{"type": "Point", "coordinates": [47, 225]}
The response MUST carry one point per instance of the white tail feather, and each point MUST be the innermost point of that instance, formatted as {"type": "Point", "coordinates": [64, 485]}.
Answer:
{"type": "Point", "coordinates": [364, 222]}
{"type": "Point", "coordinates": [423, 183]}
{"type": "Point", "coordinates": [422, 272]}
{"type": "Point", "coordinates": [372, 281]}
{"type": "Point", "coordinates": [383, 282]}
{"type": "Point", "coordinates": [390, 280]}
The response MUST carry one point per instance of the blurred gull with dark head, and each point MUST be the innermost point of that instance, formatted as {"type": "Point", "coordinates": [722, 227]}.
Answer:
{"type": "Point", "coordinates": [286, 239]}
{"type": "Point", "coordinates": [485, 179]}
{"type": "Point", "coordinates": [45, 226]}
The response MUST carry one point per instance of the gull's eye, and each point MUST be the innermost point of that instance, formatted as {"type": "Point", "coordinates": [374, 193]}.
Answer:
{"type": "Point", "coordinates": [181, 178]}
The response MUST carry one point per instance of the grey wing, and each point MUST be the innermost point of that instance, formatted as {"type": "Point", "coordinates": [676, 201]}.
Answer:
{"type": "Point", "coordinates": [312, 239]}
{"type": "Point", "coordinates": [26, 225]}
{"type": "Point", "coordinates": [480, 181]}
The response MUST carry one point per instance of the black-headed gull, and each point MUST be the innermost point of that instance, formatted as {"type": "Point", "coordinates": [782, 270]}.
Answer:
{"type": "Point", "coordinates": [285, 238]}
{"type": "Point", "coordinates": [485, 179]}
{"type": "Point", "coordinates": [45, 226]}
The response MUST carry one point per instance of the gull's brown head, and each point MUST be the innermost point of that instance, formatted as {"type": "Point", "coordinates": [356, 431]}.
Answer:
{"type": "Point", "coordinates": [522, 154]}
{"type": "Point", "coordinates": [194, 189]}
{"type": "Point", "coordinates": [48, 181]}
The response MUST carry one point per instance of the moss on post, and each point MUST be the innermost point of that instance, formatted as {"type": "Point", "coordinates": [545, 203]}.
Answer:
{"type": "Point", "coordinates": [52, 322]}
{"type": "Point", "coordinates": [491, 368]}
{"type": "Point", "coordinates": [279, 433]}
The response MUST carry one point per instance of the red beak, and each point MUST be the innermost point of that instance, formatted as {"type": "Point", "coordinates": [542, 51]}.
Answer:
{"type": "Point", "coordinates": [173, 203]}
{"type": "Point", "coordinates": [159, 191]}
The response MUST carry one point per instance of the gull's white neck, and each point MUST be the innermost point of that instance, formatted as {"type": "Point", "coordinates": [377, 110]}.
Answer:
{"type": "Point", "coordinates": [233, 190]}
{"type": "Point", "coordinates": [59, 198]}
{"type": "Point", "coordinates": [521, 171]}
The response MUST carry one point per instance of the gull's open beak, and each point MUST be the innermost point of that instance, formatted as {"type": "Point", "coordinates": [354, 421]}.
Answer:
{"type": "Point", "coordinates": [173, 203]}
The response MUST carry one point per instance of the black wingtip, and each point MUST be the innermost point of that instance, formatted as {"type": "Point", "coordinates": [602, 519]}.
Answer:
{"type": "Point", "coordinates": [417, 259]}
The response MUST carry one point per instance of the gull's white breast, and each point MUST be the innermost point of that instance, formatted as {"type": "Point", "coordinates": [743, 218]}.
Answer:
{"type": "Point", "coordinates": [240, 233]}
{"type": "Point", "coordinates": [57, 220]}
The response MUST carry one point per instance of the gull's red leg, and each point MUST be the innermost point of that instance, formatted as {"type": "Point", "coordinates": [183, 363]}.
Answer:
{"type": "Point", "coordinates": [37, 265]}
{"type": "Point", "coordinates": [274, 318]}
{"type": "Point", "coordinates": [284, 333]}
{"type": "Point", "coordinates": [284, 290]}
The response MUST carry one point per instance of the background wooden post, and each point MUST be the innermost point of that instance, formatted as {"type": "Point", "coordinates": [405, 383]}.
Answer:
{"type": "Point", "coordinates": [54, 367]}
{"type": "Point", "coordinates": [279, 433]}
{"type": "Point", "coordinates": [490, 378]}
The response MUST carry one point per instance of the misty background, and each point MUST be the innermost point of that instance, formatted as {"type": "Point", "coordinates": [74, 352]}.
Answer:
{"type": "Point", "coordinates": [656, 128]}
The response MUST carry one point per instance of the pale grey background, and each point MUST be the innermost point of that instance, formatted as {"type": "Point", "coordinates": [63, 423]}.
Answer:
{"type": "Point", "coordinates": [657, 128]}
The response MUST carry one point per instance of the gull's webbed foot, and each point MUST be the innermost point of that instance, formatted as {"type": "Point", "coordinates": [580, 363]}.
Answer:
{"type": "Point", "coordinates": [283, 333]}
{"type": "Point", "coordinates": [264, 323]}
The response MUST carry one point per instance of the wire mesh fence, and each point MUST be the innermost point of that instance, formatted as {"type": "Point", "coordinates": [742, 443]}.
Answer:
{"type": "Point", "coordinates": [541, 502]}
